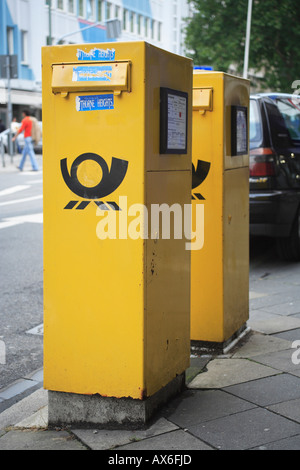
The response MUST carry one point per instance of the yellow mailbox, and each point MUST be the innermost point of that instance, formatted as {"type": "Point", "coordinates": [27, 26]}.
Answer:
{"type": "Point", "coordinates": [220, 155]}
{"type": "Point", "coordinates": [117, 142]}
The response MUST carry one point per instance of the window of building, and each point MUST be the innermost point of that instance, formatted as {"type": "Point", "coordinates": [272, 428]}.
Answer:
{"type": "Point", "coordinates": [146, 27]}
{"type": "Point", "coordinates": [71, 6]}
{"type": "Point", "coordinates": [139, 24]}
{"type": "Point", "coordinates": [152, 28]}
{"type": "Point", "coordinates": [60, 4]}
{"type": "Point", "coordinates": [10, 40]}
{"type": "Point", "coordinates": [91, 10]}
{"type": "Point", "coordinates": [100, 10]}
{"type": "Point", "coordinates": [132, 16]}
{"type": "Point", "coordinates": [159, 31]}
{"type": "Point", "coordinates": [81, 8]}
{"type": "Point", "coordinates": [24, 47]}
{"type": "Point", "coordinates": [117, 11]}
{"type": "Point", "coordinates": [125, 14]}
{"type": "Point", "coordinates": [108, 10]}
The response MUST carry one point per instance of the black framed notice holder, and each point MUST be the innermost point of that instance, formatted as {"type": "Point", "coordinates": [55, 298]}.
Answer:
{"type": "Point", "coordinates": [173, 121]}
{"type": "Point", "coordinates": [239, 130]}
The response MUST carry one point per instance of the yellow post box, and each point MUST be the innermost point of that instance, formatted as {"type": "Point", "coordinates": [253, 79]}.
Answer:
{"type": "Point", "coordinates": [117, 143]}
{"type": "Point", "coordinates": [220, 155]}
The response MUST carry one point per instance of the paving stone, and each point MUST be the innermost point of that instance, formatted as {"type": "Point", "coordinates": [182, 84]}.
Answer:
{"type": "Point", "coordinates": [225, 372]}
{"type": "Point", "coordinates": [258, 344]}
{"type": "Point", "coordinates": [24, 408]}
{"type": "Point", "coordinates": [39, 440]}
{"type": "Point", "coordinates": [287, 308]}
{"type": "Point", "coordinates": [245, 430]}
{"type": "Point", "coordinates": [194, 407]}
{"type": "Point", "coordinates": [197, 364]}
{"type": "Point", "coordinates": [290, 335]}
{"type": "Point", "coordinates": [287, 295]}
{"type": "Point", "coordinates": [280, 360]}
{"type": "Point", "coordinates": [108, 439]}
{"type": "Point", "coordinates": [171, 441]}
{"type": "Point", "coordinates": [289, 409]}
{"type": "Point", "coordinates": [256, 295]}
{"type": "Point", "coordinates": [290, 443]}
{"type": "Point", "coordinates": [269, 390]}
{"type": "Point", "coordinates": [39, 419]}
{"type": "Point", "coordinates": [268, 323]}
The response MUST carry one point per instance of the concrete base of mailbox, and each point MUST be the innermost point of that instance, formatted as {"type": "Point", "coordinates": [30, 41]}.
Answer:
{"type": "Point", "coordinates": [108, 412]}
{"type": "Point", "coordinates": [220, 348]}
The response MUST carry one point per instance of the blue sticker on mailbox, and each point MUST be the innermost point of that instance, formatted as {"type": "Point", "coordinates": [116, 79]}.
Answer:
{"type": "Point", "coordinates": [94, 102]}
{"type": "Point", "coordinates": [102, 73]}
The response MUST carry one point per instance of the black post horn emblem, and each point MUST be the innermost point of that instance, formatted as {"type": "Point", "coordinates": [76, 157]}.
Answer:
{"type": "Point", "coordinates": [110, 181]}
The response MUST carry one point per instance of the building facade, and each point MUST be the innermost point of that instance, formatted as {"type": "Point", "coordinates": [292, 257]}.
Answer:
{"type": "Point", "coordinates": [27, 25]}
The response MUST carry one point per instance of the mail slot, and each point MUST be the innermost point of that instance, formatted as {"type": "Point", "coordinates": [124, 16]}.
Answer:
{"type": "Point", "coordinates": [91, 77]}
{"type": "Point", "coordinates": [117, 294]}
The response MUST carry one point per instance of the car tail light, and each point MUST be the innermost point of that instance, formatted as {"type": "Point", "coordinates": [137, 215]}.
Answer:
{"type": "Point", "coordinates": [262, 162]}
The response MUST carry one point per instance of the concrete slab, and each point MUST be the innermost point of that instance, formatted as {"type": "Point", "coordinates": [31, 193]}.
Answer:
{"type": "Point", "coordinates": [287, 308]}
{"type": "Point", "coordinates": [37, 420]}
{"type": "Point", "coordinates": [289, 409]}
{"type": "Point", "coordinates": [171, 441]}
{"type": "Point", "coordinates": [268, 390]}
{"type": "Point", "coordinates": [245, 430]}
{"type": "Point", "coordinates": [39, 440]}
{"type": "Point", "coordinates": [290, 335]}
{"type": "Point", "coordinates": [258, 344]}
{"type": "Point", "coordinates": [256, 295]}
{"type": "Point", "coordinates": [269, 323]}
{"type": "Point", "coordinates": [23, 409]}
{"type": "Point", "coordinates": [274, 296]}
{"type": "Point", "coordinates": [225, 372]}
{"type": "Point", "coordinates": [106, 439]}
{"type": "Point", "coordinates": [280, 360]}
{"type": "Point", "coordinates": [290, 443]}
{"type": "Point", "coordinates": [198, 406]}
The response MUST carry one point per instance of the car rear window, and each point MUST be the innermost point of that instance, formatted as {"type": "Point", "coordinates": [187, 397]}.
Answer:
{"type": "Point", "coordinates": [290, 111]}
{"type": "Point", "coordinates": [255, 123]}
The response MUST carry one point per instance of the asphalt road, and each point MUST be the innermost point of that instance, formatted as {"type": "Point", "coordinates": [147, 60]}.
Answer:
{"type": "Point", "coordinates": [21, 273]}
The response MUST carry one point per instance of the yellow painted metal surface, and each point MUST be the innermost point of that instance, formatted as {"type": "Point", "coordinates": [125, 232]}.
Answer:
{"type": "Point", "coordinates": [220, 270]}
{"type": "Point", "coordinates": [116, 310]}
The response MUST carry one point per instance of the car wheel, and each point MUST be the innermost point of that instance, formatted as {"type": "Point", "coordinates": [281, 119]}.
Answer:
{"type": "Point", "coordinates": [289, 248]}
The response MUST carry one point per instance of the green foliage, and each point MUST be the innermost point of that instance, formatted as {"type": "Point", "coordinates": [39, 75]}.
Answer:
{"type": "Point", "coordinates": [216, 35]}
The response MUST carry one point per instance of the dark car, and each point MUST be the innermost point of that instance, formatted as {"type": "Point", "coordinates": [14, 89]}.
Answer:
{"type": "Point", "coordinates": [275, 170]}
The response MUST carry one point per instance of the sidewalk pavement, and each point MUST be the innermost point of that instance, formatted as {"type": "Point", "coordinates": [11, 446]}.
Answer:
{"type": "Point", "coordinates": [8, 164]}
{"type": "Point", "coordinates": [247, 398]}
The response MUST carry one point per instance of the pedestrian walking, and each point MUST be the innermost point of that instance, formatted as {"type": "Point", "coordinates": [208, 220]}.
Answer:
{"type": "Point", "coordinates": [26, 127]}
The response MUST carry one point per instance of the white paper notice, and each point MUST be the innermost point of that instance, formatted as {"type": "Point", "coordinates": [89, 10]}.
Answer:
{"type": "Point", "coordinates": [177, 116]}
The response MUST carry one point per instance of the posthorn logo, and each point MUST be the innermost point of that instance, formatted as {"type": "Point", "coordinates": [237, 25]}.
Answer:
{"type": "Point", "coordinates": [198, 176]}
{"type": "Point", "coordinates": [110, 181]}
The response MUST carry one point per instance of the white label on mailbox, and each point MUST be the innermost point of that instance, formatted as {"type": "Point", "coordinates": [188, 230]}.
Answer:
{"type": "Point", "coordinates": [177, 116]}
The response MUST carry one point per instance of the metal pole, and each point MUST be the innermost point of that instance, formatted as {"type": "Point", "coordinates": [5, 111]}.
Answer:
{"type": "Point", "coordinates": [79, 30]}
{"type": "Point", "coordinates": [50, 22]}
{"type": "Point", "coordinates": [9, 105]}
{"type": "Point", "coordinates": [247, 45]}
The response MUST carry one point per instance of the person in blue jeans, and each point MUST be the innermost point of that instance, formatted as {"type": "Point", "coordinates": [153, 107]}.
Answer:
{"type": "Point", "coordinates": [26, 127]}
